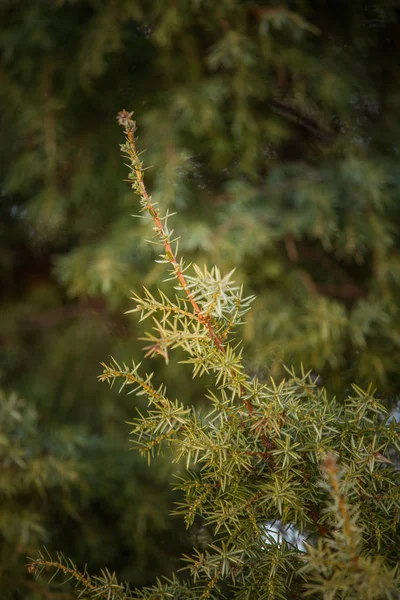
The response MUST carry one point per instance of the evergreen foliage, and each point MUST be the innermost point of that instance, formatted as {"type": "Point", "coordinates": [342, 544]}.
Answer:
{"type": "Point", "coordinates": [265, 454]}
{"type": "Point", "coordinates": [273, 129]}
{"type": "Point", "coordinates": [46, 487]}
{"type": "Point", "coordinates": [38, 476]}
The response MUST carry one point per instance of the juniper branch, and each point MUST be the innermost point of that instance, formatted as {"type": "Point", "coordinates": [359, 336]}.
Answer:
{"type": "Point", "coordinates": [164, 234]}
{"type": "Point", "coordinates": [104, 586]}
{"type": "Point", "coordinates": [138, 185]}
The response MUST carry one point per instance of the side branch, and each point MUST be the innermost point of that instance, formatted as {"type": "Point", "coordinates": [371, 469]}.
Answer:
{"type": "Point", "coordinates": [331, 471]}
{"type": "Point", "coordinates": [124, 118]}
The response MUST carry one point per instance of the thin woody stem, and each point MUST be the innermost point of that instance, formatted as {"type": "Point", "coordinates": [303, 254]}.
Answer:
{"type": "Point", "coordinates": [59, 566]}
{"type": "Point", "coordinates": [332, 472]}
{"type": "Point", "coordinates": [130, 132]}
{"type": "Point", "coordinates": [124, 119]}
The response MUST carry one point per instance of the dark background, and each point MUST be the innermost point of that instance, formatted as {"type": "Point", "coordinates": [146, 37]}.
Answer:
{"type": "Point", "coordinates": [273, 131]}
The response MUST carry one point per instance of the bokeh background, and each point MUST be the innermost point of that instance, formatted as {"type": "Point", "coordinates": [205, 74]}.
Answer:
{"type": "Point", "coordinates": [273, 130]}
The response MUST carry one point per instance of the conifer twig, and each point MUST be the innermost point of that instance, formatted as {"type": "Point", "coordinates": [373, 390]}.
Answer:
{"type": "Point", "coordinates": [331, 470]}
{"type": "Point", "coordinates": [125, 119]}
{"type": "Point", "coordinates": [104, 586]}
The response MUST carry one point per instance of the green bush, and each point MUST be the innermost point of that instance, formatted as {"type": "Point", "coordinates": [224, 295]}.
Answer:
{"type": "Point", "coordinates": [273, 130]}
{"type": "Point", "coordinates": [297, 493]}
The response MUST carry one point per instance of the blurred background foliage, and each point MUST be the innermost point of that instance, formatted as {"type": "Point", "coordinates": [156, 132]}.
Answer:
{"type": "Point", "coordinates": [273, 129]}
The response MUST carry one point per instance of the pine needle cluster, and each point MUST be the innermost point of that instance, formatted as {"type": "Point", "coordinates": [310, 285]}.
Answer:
{"type": "Point", "coordinates": [299, 493]}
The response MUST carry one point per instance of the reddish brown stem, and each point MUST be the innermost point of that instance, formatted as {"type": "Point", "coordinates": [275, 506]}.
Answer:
{"type": "Point", "coordinates": [169, 252]}
{"type": "Point", "coordinates": [205, 320]}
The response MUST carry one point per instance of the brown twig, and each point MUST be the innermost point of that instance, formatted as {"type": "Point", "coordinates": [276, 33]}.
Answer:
{"type": "Point", "coordinates": [130, 132]}
{"type": "Point", "coordinates": [331, 470]}
{"type": "Point", "coordinates": [124, 118]}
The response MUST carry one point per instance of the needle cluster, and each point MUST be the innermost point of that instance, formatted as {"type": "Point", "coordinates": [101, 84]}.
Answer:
{"type": "Point", "coordinates": [267, 458]}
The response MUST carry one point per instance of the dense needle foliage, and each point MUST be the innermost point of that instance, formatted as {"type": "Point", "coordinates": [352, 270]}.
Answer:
{"type": "Point", "coordinates": [265, 460]}
{"type": "Point", "coordinates": [273, 129]}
